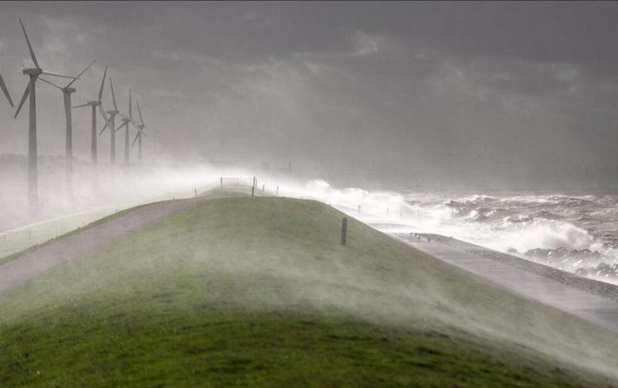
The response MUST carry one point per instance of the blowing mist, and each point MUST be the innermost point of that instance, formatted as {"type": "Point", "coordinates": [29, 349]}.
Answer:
{"type": "Point", "coordinates": [364, 194]}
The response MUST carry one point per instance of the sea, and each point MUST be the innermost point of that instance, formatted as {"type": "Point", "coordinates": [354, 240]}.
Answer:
{"type": "Point", "coordinates": [574, 231]}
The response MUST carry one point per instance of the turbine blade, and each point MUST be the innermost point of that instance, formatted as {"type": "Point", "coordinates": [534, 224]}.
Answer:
{"type": "Point", "coordinates": [34, 60]}
{"type": "Point", "coordinates": [51, 83]}
{"type": "Point", "coordinates": [135, 125]}
{"type": "Point", "coordinates": [80, 74]}
{"type": "Point", "coordinates": [103, 130]}
{"type": "Point", "coordinates": [6, 91]}
{"type": "Point", "coordinates": [134, 140]}
{"type": "Point", "coordinates": [121, 125]}
{"type": "Point", "coordinates": [57, 75]}
{"type": "Point", "coordinates": [140, 112]}
{"type": "Point", "coordinates": [81, 106]}
{"type": "Point", "coordinates": [126, 124]}
{"type": "Point", "coordinates": [23, 99]}
{"type": "Point", "coordinates": [111, 86]}
{"type": "Point", "coordinates": [103, 114]}
{"type": "Point", "coordinates": [102, 84]}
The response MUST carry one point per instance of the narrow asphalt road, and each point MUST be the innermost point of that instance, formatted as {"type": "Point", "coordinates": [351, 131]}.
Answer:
{"type": "Point", "coordinates": [39, 261]}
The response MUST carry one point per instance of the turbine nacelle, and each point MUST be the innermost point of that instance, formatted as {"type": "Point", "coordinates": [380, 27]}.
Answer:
{"type": "Point", "coordinates": [33, 71]}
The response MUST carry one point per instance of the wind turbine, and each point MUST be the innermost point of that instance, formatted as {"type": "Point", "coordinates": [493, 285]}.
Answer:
{"type": "Point", "coordinates": [94, 104]}
{"type": "Point", "coordinates": [111, 124]}
{"type": "Point", "coordinates": [138, 137]}
{"type": "Point", "coordinates": [125, 123]}
{"type": "Point", "coordinates": [66, 92]}
{"type": "Point", "coordinates": [6, 91]}
{"type": "Point", "coordinates": [33, 73]}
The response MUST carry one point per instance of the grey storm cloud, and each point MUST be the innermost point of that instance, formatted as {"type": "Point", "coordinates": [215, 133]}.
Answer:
{"type": "Point", "coordinates": [447, 88]}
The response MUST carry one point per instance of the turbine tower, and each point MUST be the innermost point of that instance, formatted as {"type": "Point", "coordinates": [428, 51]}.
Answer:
{"type": "Point", "coordinates": [66, 92]}
{"type": "Point", "coordinates": [6, 91]}
{"type": "Point", "coordinates": [94, 104]}
{"type": "Point", "coordinates": [111, 123]}
{"type": "Point", "coordinates": [33, 179]}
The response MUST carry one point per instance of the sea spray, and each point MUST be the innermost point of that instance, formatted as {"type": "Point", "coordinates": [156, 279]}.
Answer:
{"type": "Point", "coordinates": [576, 233]}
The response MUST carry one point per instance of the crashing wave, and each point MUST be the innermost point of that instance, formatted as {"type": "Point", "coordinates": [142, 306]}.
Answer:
{"type": "Point", "coordinates": [578, 233]}
{"type": "Point", "coordinates": [575, 232]}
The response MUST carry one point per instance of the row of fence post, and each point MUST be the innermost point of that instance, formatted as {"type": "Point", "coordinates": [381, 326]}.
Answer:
{"type": "Point", "coordinates": [344, 222]}
{"type": "Point", "coordinates": [253, 187]}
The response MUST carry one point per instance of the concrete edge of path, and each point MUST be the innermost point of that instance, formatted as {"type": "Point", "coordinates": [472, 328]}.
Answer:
{"type": "Point", "coordinates": [529, 281]}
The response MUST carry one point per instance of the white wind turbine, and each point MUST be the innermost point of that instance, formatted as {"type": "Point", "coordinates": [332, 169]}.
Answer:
{"type": "Point", "coordinates": [66, 92]}
{"type": "Point", "coordinates": [96, 104]}
{"type": "Point", "coordinates": [111, 124]}
{"type": "Point", "coordinates": [140, 132]}
{"type": "Point", "coordinates": [33, 73]}
{"type": "Point", "coordinates": [125, 123]}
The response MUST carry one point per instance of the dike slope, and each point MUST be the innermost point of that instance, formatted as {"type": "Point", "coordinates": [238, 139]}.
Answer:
{"type": "Point", "coordinates": [259, 292]}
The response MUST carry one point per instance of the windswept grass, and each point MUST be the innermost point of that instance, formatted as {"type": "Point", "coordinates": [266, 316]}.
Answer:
{"type": "Point", "coordinates": [259, 292]}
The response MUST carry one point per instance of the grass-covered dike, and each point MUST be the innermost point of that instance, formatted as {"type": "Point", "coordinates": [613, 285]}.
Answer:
{"type": "Point", "coordinates": [259, 292]}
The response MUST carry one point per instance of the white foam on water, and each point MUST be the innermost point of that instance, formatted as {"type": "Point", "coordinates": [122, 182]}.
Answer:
{"type": "Point", "coordinates": [571, 232]}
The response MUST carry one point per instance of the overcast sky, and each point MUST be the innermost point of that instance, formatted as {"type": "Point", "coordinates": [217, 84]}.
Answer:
{"type": "Point", "coordinates": [450, 88]}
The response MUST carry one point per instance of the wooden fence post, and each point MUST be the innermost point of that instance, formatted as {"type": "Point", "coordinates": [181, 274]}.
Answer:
{"type": "Point", "coordinates": [344, 230]}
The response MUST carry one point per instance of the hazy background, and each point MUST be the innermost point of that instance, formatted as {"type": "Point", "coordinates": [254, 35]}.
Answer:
{"type": "Point", "coordinates": [448, 94]}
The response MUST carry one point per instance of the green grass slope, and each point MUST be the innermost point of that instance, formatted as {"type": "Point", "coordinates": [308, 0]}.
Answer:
{"type": "Point", "coordinates": [259, 292]}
